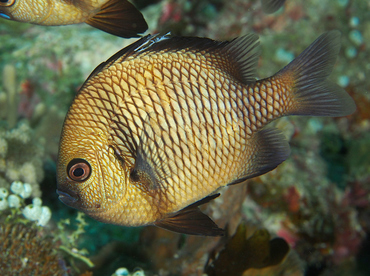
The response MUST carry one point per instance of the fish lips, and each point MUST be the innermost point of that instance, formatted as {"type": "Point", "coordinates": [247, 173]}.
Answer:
{"type": "Point", "coordinates": [68, 198]}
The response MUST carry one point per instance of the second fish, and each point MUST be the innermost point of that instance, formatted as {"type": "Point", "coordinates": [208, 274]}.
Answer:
{"type": "Point", "coordinates": [117, 17]}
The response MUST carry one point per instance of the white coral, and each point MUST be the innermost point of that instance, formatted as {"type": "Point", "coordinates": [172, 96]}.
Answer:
{"type": "Point", "coordinates": [24, 190]}
{"type": "Point", "coordinates": [45, 216]}
{"type": "Point", "coordinates": [121, 272]}
{"type": "Point", "coordinates": [27, 190]}
{"type": "Point", "coordinates": [17, 187]}
{"type": "Point", "coordinates": [3, 193]}
{"type": "Point", "coordinates": [36, 212]}
{"type": "Point", "coordinates": [32, 212]}
{"type": "Point", "coordinates": [14, 201]}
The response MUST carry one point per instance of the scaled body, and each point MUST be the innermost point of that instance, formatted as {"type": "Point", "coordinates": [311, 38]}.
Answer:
{"type": "Point", "coordinates": [118, 17]}
{"type": "Point", "coordinates": [167, 121]}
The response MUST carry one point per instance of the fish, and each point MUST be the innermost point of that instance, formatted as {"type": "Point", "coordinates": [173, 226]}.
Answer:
{"type": "Point", "coordinates": [117, 17]}
{"type": "Point", "coordinates": [160, 127]}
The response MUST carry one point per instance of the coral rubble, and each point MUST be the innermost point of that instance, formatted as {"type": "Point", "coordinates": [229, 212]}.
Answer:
{"type": "Point", "coordinates": [24, 252]}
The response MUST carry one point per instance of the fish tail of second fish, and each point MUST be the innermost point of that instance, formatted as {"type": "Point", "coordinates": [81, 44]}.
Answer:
{"type": "Point", "coordinates": [120, 18]}
{"type": "Point", "coordinates": [307, 90]}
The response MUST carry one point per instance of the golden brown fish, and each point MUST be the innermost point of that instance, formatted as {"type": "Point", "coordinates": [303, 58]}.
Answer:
{"type": "Point", "coordinates": [161, 126]}
{"type": "Point", "coordinates": [117, 17]}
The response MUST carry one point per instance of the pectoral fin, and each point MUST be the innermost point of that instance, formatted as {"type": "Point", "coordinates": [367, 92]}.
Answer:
{"type": "Point", "coordinates": [152, 166]}
{"type": "Point", "coordinates": [120, 18]}
{"type": "Point", "coordinates": [192, 221]}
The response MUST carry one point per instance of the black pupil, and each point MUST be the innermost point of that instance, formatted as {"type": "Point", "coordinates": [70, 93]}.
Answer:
{"type": "Point", "coordinates": [78, 172]}
{"type": "Point", "coordinates": [4, 1]}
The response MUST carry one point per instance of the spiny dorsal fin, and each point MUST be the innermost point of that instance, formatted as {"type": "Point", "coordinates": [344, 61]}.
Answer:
{"type": "Point", "coordinates": [122, 54]}
{"type": "Point", "coordinates": [271, 6]}
{"type": "Point", "coordinates": [243, 53]}
{"type": "Point", "coordinates": [120, 18]}
{"type": "Point", "coordinates": [270, 148]}
{"type": "Point", "coordinates": [192, 221]}
{"type": "Point", "coordinates": [238, 57]}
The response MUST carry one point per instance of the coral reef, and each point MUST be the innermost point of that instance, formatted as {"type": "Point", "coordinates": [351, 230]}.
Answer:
{"type": "Point", "coordinates": [24, 252]}
{"type": "Point", "coordinates": [28, 227]}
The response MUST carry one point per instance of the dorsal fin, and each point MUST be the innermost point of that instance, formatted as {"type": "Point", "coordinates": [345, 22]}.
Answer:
{"type": "Point", "coordinates": [192, 221]}
{"type": "Point", "coordinates": [121, 54]}
{"type": "Point", "coordinates": [238, 57]}
{"type": "Point", "coordinates": [243, 53]}
{"type": "Point", "coordinates": [120, 18]}
{"type": "Point", "coordinates": [271, 6]}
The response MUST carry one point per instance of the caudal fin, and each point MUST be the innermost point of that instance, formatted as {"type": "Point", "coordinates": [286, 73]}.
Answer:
{"type": "Point", "coordinates": [312, 93]}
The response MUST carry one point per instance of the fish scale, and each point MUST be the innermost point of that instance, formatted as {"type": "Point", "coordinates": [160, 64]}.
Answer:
{"type": "Point", "coordinates": [199, 141]}
{"type": "Point", "coordinates": [163, 124]}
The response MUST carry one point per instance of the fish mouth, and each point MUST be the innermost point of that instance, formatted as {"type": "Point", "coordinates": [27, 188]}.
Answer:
{"type": "Point", "coordinates": [69, 198]}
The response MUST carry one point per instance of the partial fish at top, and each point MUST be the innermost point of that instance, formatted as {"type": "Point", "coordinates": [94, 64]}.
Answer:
{"type": "Point", "coordinates": [161, 126]}
{"type": "Point", "coordinates": [117, 17]}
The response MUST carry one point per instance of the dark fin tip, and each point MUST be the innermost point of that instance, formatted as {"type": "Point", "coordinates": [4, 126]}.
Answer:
{"type": "Point", "coordinates": [120, 18]}
{"type": "Point", "coordinates": [192, 221]}
{"type": "Point", "coordinates": [270, 149]}
{"type": "Point", "coordinates": [313, 94]}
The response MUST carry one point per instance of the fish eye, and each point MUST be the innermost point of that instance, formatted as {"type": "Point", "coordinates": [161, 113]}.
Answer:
{"type": "Point", "coordinates": [6, 3]}
{"type": "Point", "coordinates": [78, 169]}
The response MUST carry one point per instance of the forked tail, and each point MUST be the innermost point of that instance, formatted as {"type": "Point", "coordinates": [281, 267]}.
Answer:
{"type": "Point", "coordinates": [301, 88]}
{"type": "Point", "coordinates": [312, 93]}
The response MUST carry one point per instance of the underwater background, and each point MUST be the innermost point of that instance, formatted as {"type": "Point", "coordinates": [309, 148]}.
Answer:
{"type": "Point", "coordinates": [317, 201]}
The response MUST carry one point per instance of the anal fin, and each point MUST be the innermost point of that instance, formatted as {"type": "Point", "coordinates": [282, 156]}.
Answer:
{"type": "Point", "coordinates": [270, 148]}
{"type": "Point", "coordinates": [192, 221]}
{"type": "Point", "coordinates": [120, 18]}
